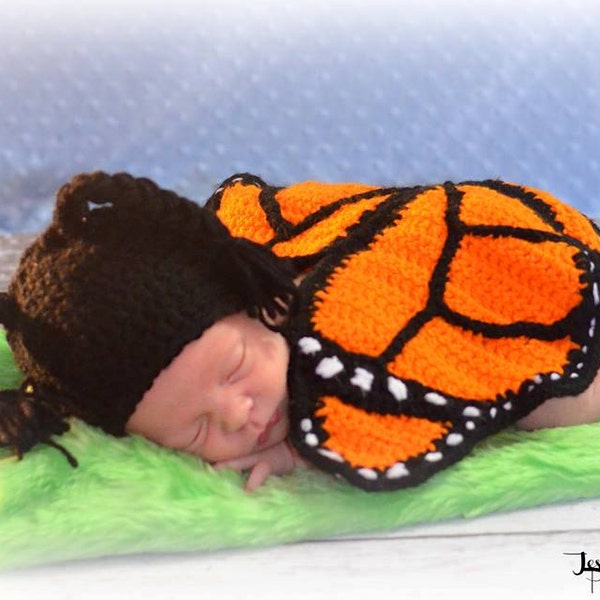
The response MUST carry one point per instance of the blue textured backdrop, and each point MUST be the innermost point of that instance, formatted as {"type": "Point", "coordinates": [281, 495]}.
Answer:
{"type": "Point", "coordinates": [377, 91]}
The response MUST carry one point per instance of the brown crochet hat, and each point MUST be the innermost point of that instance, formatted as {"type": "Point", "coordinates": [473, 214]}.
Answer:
{"type": "Point", "coordinates": [109, 295]}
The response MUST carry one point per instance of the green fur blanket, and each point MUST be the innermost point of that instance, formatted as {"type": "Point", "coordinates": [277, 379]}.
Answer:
{"type": "Point", "coordinates": [130, 496]}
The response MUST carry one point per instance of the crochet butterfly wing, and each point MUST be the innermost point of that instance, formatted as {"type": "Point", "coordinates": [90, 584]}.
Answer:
{"type": "Point", "coordinates": [302, 221]}
{"type": "Point", "coordinates": [437, 321]}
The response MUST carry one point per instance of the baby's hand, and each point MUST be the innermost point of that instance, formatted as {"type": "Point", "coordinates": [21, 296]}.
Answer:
{"type": "Point", "coordinates": [275, 460]}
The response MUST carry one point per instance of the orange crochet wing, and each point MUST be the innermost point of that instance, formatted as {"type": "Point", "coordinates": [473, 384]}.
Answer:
{"type": "Point", "coordinates": [299, 221]}
{"type": "Point", "coordinates": [440, 320]}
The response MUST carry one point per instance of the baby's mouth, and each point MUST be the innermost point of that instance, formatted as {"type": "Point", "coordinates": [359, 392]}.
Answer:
{"type": "Point", "coordinates": [264, 436]}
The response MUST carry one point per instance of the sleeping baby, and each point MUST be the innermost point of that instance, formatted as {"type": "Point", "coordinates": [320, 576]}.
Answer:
{"type": "Point", "coordinates": [375, 333]}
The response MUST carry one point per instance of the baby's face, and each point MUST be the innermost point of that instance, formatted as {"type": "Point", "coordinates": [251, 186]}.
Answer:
{"type": "Point", "coordinates": [223, 397]}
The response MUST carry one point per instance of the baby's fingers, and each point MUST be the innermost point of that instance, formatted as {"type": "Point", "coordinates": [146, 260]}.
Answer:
{"type": "Point", "coordinates": [259, 474]}
{"type": "Point", "coordinates": [237, 464]}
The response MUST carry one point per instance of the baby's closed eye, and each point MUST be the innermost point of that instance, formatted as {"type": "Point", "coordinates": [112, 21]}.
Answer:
{"type": "Point", "coordinates": [236, 366]}
{"type": "Point", "coordinates": [199, 435]}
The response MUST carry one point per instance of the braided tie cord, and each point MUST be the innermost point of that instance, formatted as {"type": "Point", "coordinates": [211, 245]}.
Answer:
{"type": "Point", "coordinates": [26, 420]}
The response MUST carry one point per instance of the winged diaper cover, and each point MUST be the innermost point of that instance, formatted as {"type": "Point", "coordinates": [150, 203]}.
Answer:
{"type": "Point", "coordinates": [429, 317]}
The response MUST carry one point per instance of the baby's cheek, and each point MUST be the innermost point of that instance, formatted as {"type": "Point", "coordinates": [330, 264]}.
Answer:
{"type": "Point", "coordinates": [282, 429]}
{"type": "Point", "coordinates": [218, 448]}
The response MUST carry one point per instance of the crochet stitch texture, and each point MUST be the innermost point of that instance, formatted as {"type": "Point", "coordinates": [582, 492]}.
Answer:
{"type": "Point", "coordinates": [430, 317]}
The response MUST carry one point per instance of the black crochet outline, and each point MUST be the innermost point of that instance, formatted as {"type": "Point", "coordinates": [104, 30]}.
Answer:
{"type": "Point", "coordinates": [272, 209]}
{"type": "Point", "coordinates": [308, 261]}
{"type": "Point", "coordinates": [329, 209]}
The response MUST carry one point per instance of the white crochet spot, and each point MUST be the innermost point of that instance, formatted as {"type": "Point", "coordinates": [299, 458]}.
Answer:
{"type": "Point", "coordinates": [555, 376]}
{"type": "Point", "coordinates": [306, 425]}
{"type": "Point", "coordinates": [584, 349]}
{"type": "Point", "coordinates": [592, 327]}
{"type": "Point", "coordinates": [309, 345]}
{"type": "Point", "coordinates": [470, 425]}
{"type": "Point", "coordinates": [397, 388]}
{"type": "Point", "coordinates": [596, 294]}
{"type": "Point", "coordinates": [311, 439]}
{"type": "Point", "coordinates": [396, 471]}
{"type": "Point", "coordinates": [329, 367]}
{"type": "Point", "coordinates": [471, 411]}
{"type": "Point", "coordinates": [369, 474]}
{"type": "Point", "coordinates": [493, 412]}
{"type": "Point", "coordinates": [362, 379]}
{"type": "Point", "coordinates": [580, 365]}
{"type": "Point", "coordinates": [507, 406]}
{"type": "Point", "coordinates": [574, 375]}
{"type": "Point", "coordinates": [433, 456]}
{"type": "Point", "coordinates": [436, 399]}
{"type": "Point", "coordinates": [537, 379]}
{"type": "Point", "coordinates": [330, 454]}
{"type": "Point", "coordinates": [454, 439]}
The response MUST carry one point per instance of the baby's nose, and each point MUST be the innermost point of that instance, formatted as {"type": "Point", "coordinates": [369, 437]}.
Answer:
{"type": "Point", "coordinates": [235, 412]}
